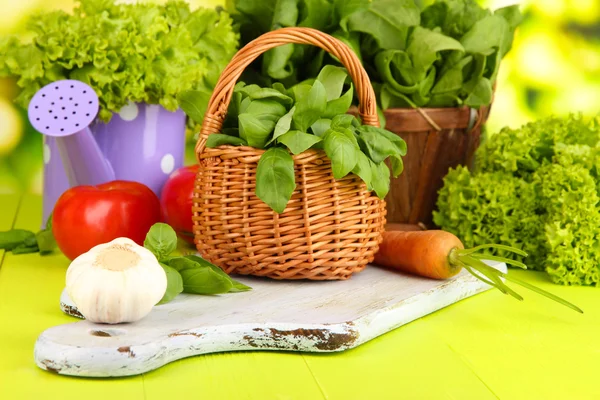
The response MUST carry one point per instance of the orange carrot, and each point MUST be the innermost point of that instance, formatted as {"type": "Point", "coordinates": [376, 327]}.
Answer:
{"type": "Point", "coordinates": [439, 254]}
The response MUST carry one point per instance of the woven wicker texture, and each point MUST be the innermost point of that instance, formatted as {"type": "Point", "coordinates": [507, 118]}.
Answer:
{"type": "Point", "coordinates": [330, 228]}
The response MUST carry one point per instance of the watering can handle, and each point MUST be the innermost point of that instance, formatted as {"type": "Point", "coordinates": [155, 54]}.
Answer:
{"type": "Point", "coordinates": [221, 96]}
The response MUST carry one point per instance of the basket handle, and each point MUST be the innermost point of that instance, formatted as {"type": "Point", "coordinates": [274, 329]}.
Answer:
{"type": "Point", "coordinates": [221, 96]}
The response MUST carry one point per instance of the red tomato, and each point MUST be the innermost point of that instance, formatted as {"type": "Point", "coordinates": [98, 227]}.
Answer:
{"type": "Point", "coordinates": [176, 201]}
{"type": "Point", "coordinates": [86, 216]}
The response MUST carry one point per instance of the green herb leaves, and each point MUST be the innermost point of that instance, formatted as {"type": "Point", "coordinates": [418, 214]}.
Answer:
{"type": "Point", "coordinates": [20, 241]}
{"type": "Point", "coordinates": [187, 274]}
{"type": "Point", "coordinates": [310, 115]}
{"type": "Point", "coordinates": [275, 179]}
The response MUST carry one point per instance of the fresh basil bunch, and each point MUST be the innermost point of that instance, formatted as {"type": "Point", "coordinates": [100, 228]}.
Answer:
{"type": "Point", "coordinates": [188, 273]}
{"type": "Point", "coordinates": [310, 115]}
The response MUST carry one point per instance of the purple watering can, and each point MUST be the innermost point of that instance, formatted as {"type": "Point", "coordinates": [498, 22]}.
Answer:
{"type": "Point", "coordinates": [142, 143]}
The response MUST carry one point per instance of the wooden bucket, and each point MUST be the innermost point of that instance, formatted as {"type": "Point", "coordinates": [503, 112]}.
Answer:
{"type": "Point", "coordinates": [437, 139]}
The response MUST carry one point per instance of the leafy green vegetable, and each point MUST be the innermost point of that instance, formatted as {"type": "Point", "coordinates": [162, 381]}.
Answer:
{"type": "Point", "coordinates": [415, 57]}
{"type": "Point", "coordinates": [298, 142]}
{"type": "Point", "coordinates": [174, 284]}
{"type": "Point", "coordinates": [536, 188]}
{"type": "Point", "coordinates": [188, 274]}
{"type": "Point", "coordinates": [12, 239]}
{"type": "Point", "coordinates": [342, 151]}
{"type": "Point", "coordinates": [21, 241]}
{"type": "Point", "coordinates": [141, 53]}
{"type": "Point", "coordinates": [275, 179]}
{"type": "Point", "coordinates": [218, 139]}
{"type": "Point", "coordinates": [161, 240]}
{"type": "Point", "coordinates": [310, 115]}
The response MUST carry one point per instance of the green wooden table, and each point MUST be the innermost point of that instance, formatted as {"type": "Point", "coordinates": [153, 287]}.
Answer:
{"type": "Point", "coordinates": [489, 346]}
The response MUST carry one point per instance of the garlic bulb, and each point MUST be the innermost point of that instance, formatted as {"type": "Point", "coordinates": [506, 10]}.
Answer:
{"type": "Point", "coordinates": [118, 281]}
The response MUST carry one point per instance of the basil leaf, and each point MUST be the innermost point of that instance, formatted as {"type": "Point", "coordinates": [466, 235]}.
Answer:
{"type": "Point", "coordinates": [247, 90]}
{"type": "Point", "coordinates": [342, 152]}
{"type": "Point", "coordinates": [194, 103]}
{"type": "Point", "coordinates": [237, 286]}
{"type": "Point", "coordinates": [254, 130]}
{"type": "Point", "coordinates": [380, 179]}
{"type": "Point", "coordinates": [283, 125]}
{"type": "Point", "coordinates": [203, 280]}
{"type": "Point", "coordinates": [219, 139]}
{"type": "Point", "coordinates": [398, 142]}
{"type": "Point", "coordinates": [275, 178]}
{"type": "Point", "coordinates": [45, 241]}
{"type": "Point", "coordinates": [341, 105]}
{"type": "Point", "coordinates": [376, 146]}
{"type": "Point", "coordinates": [280, 88]}
{"type": "Point", "coordinates": [9, 240]}
{"type": "Point", "coordinates": [300, 91]}
{"type": "Point", "coordinates": [161, 240]}
{"type": "Point", "coordinates": [268, 93]}
{"type": "Point", "coordinates": [309, 109]}
{"type": "Point", "coordinates": [321, 126]}
{"type": "Point", "coordinates": [363, 169]}
{"type": "Point", "coordinates": [298, 142]}
{"type": "Point", "coordinates": [174, 284]}
{"type": "Point", "coordinates": [342, 121]}
{"type": "Point", "coordinates": [24, 249]}
{"type": "Point", "coordinates": [333, 79]}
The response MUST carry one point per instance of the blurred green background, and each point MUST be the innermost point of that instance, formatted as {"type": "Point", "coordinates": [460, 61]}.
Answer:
{"type": "Point", "coordinates": [553, 69]}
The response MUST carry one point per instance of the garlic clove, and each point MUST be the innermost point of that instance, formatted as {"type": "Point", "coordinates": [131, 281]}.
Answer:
{"type": "Point", "coordinates": [116, 282]}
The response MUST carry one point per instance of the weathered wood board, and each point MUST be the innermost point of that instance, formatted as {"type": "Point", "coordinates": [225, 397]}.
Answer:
{"type": "Point", "coordinates": [275, 315]}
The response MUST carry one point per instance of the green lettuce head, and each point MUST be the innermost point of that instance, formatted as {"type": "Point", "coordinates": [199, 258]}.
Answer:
{"type": "Point", "coordinates": [143, 53]}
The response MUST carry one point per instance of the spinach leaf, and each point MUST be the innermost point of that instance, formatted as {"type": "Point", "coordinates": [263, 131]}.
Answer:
{"type": "Point", "coordinates": [275, 178]}
{"type": "Point", "coordinates": [486, 35]}
{"type": "Point", "coordinates": [363, 169]}
{"type": "Point", "coordinates": [380, 179]}
{"type": "Point", "coordinates": [424, 48]}
{"type": "Point", "coordinates": [387, 21]}
{"type": "Point", "coordinates": [10, 240]}
{"type": "Point", "coordinates": [278, 63]}
{"type": "Point", "coordinates": [452, 79]}
{"type": "Point", "coordinates": [174, 284]}
{"type": "Point", "coordinates": [397, 165]}
{"type": "Point", "coordinates": [376, 146]}
{"type": "Point", "coordinates": [310, 108]}
{"type": "Point", "coordinates": [161, 240]}
{"type": "Point", "coordinates": [396, 69]}
{"type": "Point", "coordinates": [298, 142]}
{"type": "Point", "coordinates": [219, 139]}
{"type": "Point", "coordinates": [321, 126]}
{"type": "Point", "coordinates": [513, 17]}
{"type": "Point", "coordinates": [342, 152]}
{"type": "Point", "coordinates": [481, 94]}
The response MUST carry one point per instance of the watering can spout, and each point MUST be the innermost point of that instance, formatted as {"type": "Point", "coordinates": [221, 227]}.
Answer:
{"type": "Point", "coordinates": [64, 110]}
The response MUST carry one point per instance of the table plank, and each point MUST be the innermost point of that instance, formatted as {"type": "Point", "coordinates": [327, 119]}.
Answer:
{"type": "Point", "coordinates": [410, 362]}
{"type": "Point", "coordinates": [9, 204]}
{"type": "Point", "coordinates": [535, 349]}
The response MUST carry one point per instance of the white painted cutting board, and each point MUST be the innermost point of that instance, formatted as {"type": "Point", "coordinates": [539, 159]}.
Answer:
{"type": "Point", "coordinates": [276, 315]}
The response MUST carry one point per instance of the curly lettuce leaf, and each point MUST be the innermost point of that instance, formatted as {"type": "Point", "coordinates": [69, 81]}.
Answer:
{"type": "Point", "coordinates": [145, 53]}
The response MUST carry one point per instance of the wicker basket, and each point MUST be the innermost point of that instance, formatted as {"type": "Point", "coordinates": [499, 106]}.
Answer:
{"type": "Point", "coordinates": [437, 139]}
{"type": "Point", "coordinates": [330, 228]}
